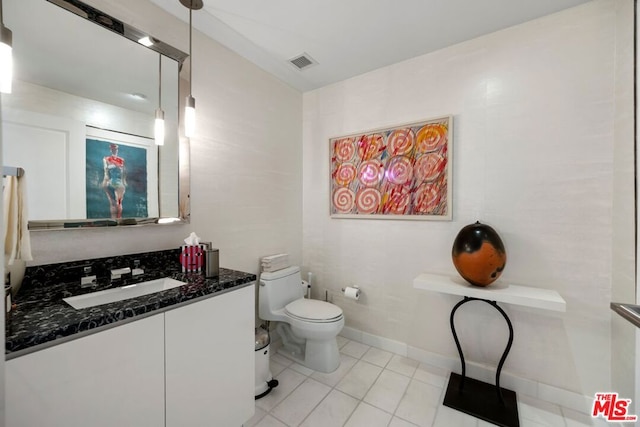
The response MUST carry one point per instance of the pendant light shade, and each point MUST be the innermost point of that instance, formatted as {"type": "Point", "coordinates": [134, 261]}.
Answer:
{"type": "Point", "coordinates": [190, 117]}
{"type": "Point", "coordinates": [159, 123]}
{"type": "Point", "coordinates": [159, 127]}
{"type": "Point", "coordinates": [6, 56]}
{"type": "Point", "coordinates": [190, 105]}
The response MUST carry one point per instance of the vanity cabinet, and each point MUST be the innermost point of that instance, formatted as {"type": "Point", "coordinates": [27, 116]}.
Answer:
{"type": "Point", "coordinates": [210, 361]}
{"type": "Point", "coordinates": [111, 378]}
{"type": "Point", "coordinates": [190, 366]}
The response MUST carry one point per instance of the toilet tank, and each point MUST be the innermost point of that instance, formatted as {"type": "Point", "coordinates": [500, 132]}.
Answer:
{"type": "Point", "coordinates": [277, 289]}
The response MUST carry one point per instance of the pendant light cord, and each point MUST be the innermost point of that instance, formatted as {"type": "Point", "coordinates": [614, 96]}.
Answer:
{"type": "Point", "coordinates": [160, 81]}
{"type": "Point", "coordinates": [190, 52]}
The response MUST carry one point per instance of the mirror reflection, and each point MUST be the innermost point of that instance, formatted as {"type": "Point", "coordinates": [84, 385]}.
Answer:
{"type": "Point", "coordinates": [80, 120]}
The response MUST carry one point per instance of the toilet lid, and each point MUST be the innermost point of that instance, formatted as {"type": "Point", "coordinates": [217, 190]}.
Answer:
{"type": "Point", "coordinates": [313, 309]}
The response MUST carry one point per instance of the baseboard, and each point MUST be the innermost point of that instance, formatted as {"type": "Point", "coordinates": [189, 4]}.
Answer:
{"type": "Point", "coordinates": [525, 386]}
{"type": "Point", "coordinates": [382, 343]}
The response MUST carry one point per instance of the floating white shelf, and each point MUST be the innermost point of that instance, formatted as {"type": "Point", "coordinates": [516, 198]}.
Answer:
{"type": "Point", "coordinates": [498, 291]}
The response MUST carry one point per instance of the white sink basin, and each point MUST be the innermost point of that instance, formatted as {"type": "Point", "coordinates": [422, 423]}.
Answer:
{"type": "Point", "coordinates": [122, 293]}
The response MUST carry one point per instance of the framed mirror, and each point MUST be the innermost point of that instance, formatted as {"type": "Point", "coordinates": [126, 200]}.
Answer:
{"type": "Point", "coordinates": [80, 120]}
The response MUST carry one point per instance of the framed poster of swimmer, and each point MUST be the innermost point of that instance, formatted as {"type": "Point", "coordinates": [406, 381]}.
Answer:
{"type": "Point", "coordinates": [400, 172]}
{"type": "Point", "coordinates": [121, 175]}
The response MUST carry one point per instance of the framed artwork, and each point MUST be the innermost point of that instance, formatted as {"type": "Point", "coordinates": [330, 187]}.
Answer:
{"type": "Point", "coordinates": [121, 175]}
{"type": "Point", "coordinates": [401, 172]}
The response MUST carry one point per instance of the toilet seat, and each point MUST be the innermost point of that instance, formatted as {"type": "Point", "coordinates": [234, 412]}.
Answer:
{"type": "Point", "coordinates": [314, 311]}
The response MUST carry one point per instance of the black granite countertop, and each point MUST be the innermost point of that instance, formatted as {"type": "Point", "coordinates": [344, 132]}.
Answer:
{"type": "Point", "coordinates": [41, 318]}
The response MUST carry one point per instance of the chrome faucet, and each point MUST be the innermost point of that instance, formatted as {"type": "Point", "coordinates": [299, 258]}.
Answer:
{"type": "Point", "coordinates": [116, 274]}
{"type": "Point", "coordinates": [88, 280]}
{"type": "Point", "coordinates": [137, 269]}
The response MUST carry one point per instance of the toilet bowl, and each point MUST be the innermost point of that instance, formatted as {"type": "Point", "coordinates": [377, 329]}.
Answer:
{"type": "Point", "coordinates": [308, 327]}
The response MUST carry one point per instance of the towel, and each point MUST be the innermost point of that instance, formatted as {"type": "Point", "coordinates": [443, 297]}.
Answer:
{"type": "Point", "coordinates": [276, 262]}
{"type": "Point", "coordinates": [17, 243]}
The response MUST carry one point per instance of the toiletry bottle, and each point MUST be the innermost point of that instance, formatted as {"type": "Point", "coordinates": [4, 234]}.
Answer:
{"type": "Point", "coordinates": [212, 261]}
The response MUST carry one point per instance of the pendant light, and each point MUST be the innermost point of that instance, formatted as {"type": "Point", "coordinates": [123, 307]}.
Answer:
{"type": "Point", "coordinates": [159, 123]}
{"type": "Point", "coordinates": [190, 107]}
{"type": "Point", "coordinates": [6, 56]}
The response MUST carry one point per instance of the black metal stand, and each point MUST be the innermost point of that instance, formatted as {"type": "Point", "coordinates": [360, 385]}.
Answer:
{"type": "Point", "coordinates": [482, 400]}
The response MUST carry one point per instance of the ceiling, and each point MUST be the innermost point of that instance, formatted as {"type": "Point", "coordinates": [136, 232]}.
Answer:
{"type": "Point", "coordinates": [350, 37]}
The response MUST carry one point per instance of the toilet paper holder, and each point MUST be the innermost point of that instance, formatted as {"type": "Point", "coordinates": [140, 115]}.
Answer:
{"type": "Point", "coordinates": [351, 292]}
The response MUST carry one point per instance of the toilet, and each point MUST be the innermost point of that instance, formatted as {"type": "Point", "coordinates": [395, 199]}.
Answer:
{"type": "Point", "coordinates": [308, 327]}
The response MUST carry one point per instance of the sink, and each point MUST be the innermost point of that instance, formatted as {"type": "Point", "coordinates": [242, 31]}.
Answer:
{"type": "Point", "coordinates": [122, 293]}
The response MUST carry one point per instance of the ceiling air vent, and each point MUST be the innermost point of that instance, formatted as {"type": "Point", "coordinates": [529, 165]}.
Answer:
{"type": "Point", "coordinates": [303, 61]}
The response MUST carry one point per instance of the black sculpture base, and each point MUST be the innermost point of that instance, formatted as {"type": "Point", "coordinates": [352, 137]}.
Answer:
{"type": "Point", "coordinates": [480, 400]}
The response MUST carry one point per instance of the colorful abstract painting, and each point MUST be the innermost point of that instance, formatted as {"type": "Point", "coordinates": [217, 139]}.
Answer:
{"type": "Point", "coordinates": [402, 172]}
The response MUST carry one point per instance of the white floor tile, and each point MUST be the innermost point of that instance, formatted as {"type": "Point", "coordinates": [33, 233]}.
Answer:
{"type": "Point", "coordinates": [301, 369]}
{"type": "Point", "coordinates": [377, 357]}
{"type": "Point", "coordinates": [334, 410]}
{"type": "Point", "coordinates": [431, 375]}
{"type": "Point", "coordinates": [277, 357]}
{"type": "Point", "coordinates": [540, 412]}
{"type": "Point", "coordinates": [346, 363]}
{"type": "Point", "coordinates": [368, 416]}
{"type": "Point", "coordinates": [399, 422]}
{"type": "Point", "coordinates": [528, 423]}
{"type": "Point", "coordinates": [419, 403]}
{"type": "Point", "coordinates": [402, 365]}
{"type": "Point", "coordinates": [564, 398]}
{"type": "Point", "coordinates": [387, 391]}
{"type": "Point", "coordinates": [359, 379]}
{"type": "Point", "coordinates": [342, 341]}
{"type": "Point", "coordinates": [447, 417]}
{"type": "Point", "coordinates": [269, 421]}
{"type": "Point", "coordinates": [579, 419]}
{"type": "Point", "coordinates": [295, 408]}
{"type": "Point", "coordinates": [596, 422]}
{"type": "Point", "coordinates": [354, 349]}
{"type": "Point", "coordinates": [257, 416]}
{"type": "Point", "coordinates": [288, 380]}
{"type": "Point", "coordinates": [276, 367]}
{"type": "Point", "coordinates": [382, 389]}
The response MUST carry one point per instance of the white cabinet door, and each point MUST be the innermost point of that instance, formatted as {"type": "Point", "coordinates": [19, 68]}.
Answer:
{"type": "Point", "coordinates": [210, 361]}
{"type": "Point", "coordinates": [111, 378]}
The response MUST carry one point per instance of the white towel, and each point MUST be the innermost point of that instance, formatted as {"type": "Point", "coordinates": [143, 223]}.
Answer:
{"type": "Point", "coordinates": [17, 243]}
{"type": "Point", "coordinates": [274, 258]}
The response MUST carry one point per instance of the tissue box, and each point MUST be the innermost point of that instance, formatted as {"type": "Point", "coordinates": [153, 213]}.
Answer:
{"type": "Point", "coordinates": [192, 258]}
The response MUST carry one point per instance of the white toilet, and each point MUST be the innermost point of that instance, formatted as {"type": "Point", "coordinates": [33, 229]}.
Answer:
{"type": "Point", "coordinates": [308, 327]}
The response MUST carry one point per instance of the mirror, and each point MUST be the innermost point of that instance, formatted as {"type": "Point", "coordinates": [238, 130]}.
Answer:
{"type": "Point", "coordinates": [80, 120]}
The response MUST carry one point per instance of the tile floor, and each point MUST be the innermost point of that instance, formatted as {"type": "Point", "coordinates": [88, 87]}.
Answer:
{"type": "Point", "coordinates": [374, 388]}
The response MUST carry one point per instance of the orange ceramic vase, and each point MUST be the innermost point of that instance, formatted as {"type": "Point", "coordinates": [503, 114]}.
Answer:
{"type": "Point", "coordinates": [478, 254]}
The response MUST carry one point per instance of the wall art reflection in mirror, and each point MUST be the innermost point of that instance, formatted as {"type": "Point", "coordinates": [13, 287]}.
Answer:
{"type": "Point", "coordinates": [119, 168]}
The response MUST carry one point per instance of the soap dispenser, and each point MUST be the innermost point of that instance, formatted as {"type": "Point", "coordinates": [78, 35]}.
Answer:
{"type": "Point", "coordinates": [211, 261]}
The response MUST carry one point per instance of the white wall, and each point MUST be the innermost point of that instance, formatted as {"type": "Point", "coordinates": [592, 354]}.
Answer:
{"type": "Point", "coordinates": [245, 160]}
{"type": "Point", "coordinates": [533, 147]}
